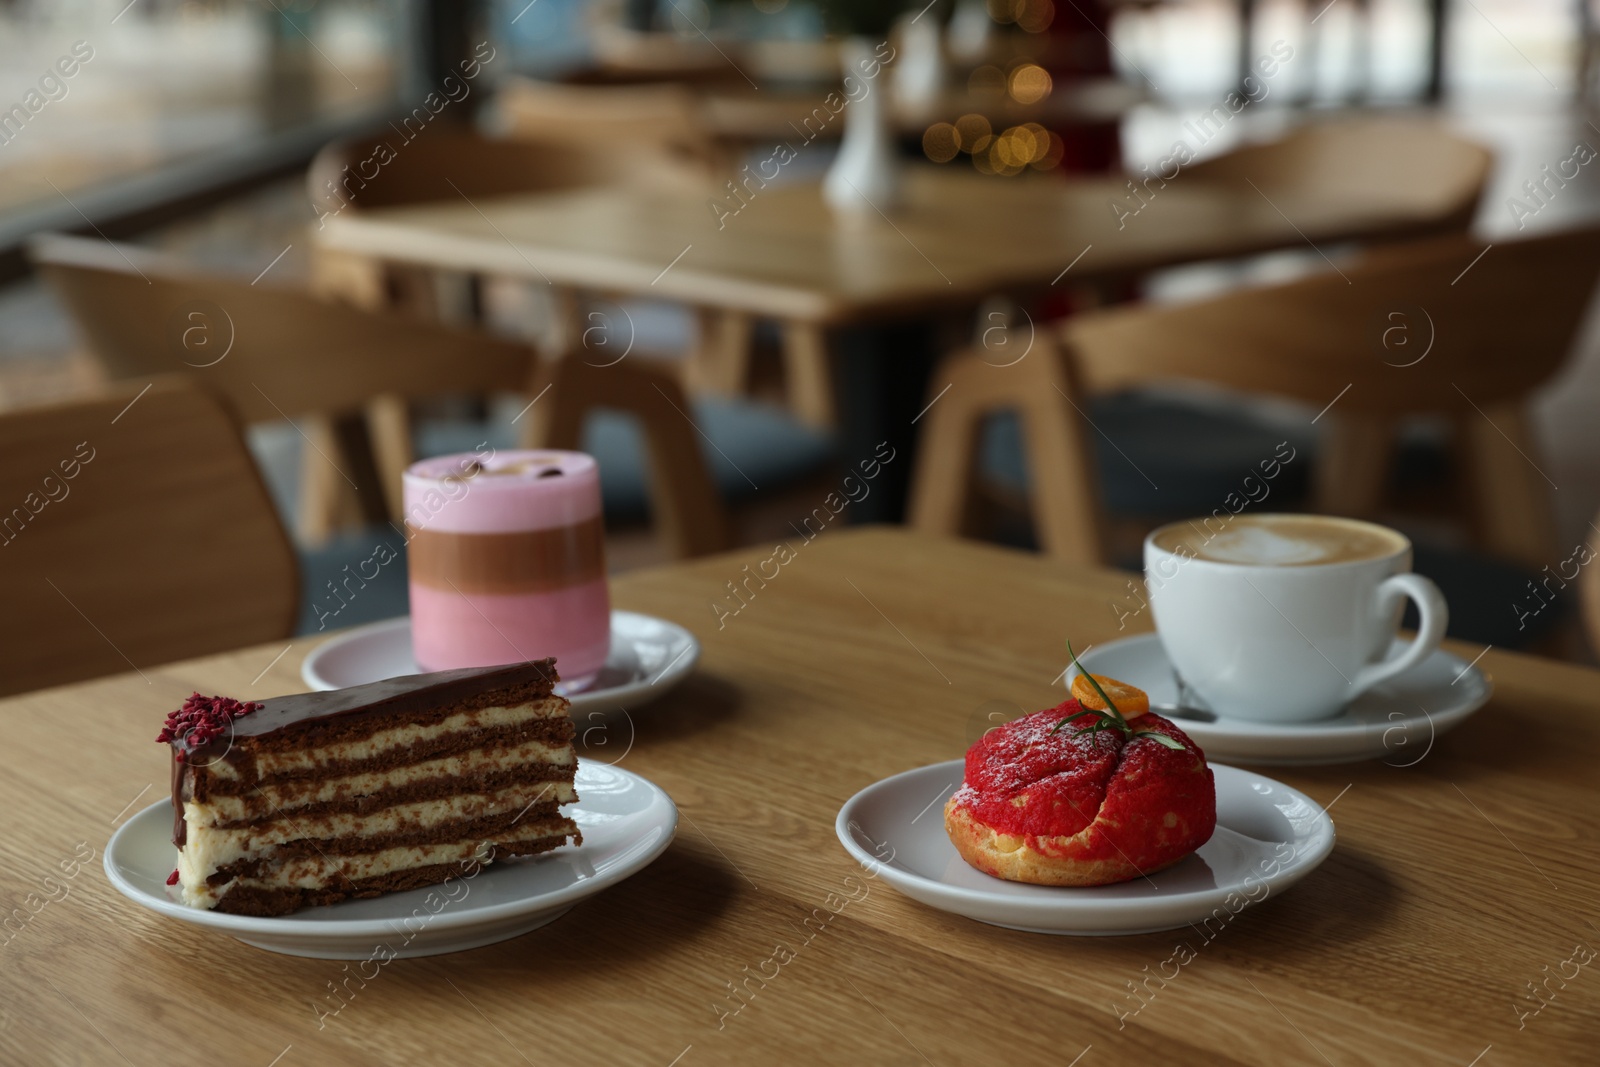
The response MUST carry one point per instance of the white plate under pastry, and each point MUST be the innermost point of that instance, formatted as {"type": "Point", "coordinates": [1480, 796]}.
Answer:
{"type": "Point", "coordinates": [627, 821]}
{"type": "Point", "coordinates": [1268, 837]}
{"type": "Point", "coordinates": [1396, 721]}
{"type": "Point", "coordinates": [648, 657]}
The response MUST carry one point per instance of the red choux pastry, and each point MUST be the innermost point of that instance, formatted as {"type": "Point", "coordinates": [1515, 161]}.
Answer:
{"type": "Point", "coordinates": [1069, 807]}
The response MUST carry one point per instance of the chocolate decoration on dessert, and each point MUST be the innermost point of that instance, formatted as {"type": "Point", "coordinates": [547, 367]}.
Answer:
{"type": "Point", "coordinates": [520, 467]}
{"type": "Point", "coordinates": [516, 562]}
{"type": "Point", "coordinates": [409, 694]}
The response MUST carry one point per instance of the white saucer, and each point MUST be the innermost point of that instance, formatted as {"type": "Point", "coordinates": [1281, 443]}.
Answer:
{"type": "Point", "coordinates": [1268, 837]}
{"type": "Point", "coordinates": [648, 657]}
{"type": "Point", "coordinates": [1396, 721]}
{"type": "Point", "coordinates": [626, 822]}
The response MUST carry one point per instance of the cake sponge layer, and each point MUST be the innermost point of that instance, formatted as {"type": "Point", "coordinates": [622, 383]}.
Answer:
{"type": "Point", "coordinates": [327, 880]}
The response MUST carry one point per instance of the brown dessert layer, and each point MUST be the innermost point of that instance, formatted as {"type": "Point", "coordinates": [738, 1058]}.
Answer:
{"type": "Point", "coordinates": [520, 562]}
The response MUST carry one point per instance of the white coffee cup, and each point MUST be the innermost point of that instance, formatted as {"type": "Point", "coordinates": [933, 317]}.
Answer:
{"type": "Point", "coordinates": [1286, 618]}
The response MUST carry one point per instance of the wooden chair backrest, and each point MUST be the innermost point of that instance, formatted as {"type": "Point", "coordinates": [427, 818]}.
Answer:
{"type": "Point", "coordinates": [1589, 588]}
{"type": "Point", "coordinates": [687, 508]}
{"type": "Point", "coordinates": [624, 56]}
{"type": "Point", "coordinates": [449, 163]}
{"type": "Point", "coordinates": [1413, 329]}
{"type": "Point", "coordinates": [664, 117]}
{"type": "Point", "coordinates": [135, 531]}
{"type": "Point", "coordinates": [274, 353]}
{"type": "Point", "coordinates": [1442, 173]}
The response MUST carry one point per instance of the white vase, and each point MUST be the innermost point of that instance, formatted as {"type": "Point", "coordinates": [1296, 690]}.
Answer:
{"type": "Point", "coordinates": [971, 30]}
{"type": "Point", "coordinates": [865, 176]}
{"type": "Point", "coordinates": [920, 69]}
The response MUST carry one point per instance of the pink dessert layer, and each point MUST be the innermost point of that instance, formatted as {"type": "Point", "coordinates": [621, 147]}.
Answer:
{"type": "Point", "coordinates": [450, 630]}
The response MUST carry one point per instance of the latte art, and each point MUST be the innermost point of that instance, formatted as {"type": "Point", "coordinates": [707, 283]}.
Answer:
{"type": "Point", "coordinates": [1281, 541]}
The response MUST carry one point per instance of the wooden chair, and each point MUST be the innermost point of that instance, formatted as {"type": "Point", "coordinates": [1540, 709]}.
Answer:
{"type": "Point", "coordinates": [664, 117]}
{"type": "Point", "coordinates": [445, 162]}
{"type": "Point", "coordinates": [281, 354]}
{"type": "Point", "coordinates": [626, 56]}
{"type": "Point", "coordinates": [138, 532]}
{"type": "Point", "coordinates": [1589, 588]}
{"type": "Point", "coordinates": [1479, 338]}
{"type": "Point", "coordinates": [686, 506]}
{"type": "Point", "coordinates": [1342, 160]}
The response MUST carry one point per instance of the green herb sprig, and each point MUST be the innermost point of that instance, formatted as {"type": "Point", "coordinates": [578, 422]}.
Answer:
{"type": "Point", "coordinates": [1110, 718]}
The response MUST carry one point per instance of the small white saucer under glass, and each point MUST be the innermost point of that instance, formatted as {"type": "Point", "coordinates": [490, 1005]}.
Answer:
{"type": "Point", "coordinates": [1396, 721]}
{"type": "Point", "coordinates": [1268, 837]}
{"type": "Point", "coordinates": [626, 821]}
{"type": "Point", "coordinates": [648, 657]}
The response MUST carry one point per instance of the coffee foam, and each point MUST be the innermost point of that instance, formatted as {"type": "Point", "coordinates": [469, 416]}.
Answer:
{"type": "Point", "coordinates": [1281, 541]}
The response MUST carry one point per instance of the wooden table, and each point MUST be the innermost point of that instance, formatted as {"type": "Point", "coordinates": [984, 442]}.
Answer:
{"type": "Point", "coordinates": [959, 238]}
{"type": "Point", "coordinates": [1455, 882]}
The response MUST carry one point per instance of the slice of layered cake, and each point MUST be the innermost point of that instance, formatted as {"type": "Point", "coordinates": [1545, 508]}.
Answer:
{"type": "Point", "coordinates": [311, 799]}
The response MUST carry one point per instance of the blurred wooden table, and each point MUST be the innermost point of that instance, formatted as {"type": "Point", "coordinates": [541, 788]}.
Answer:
{"type": "Point", "coordinates": [783, 253]}
{"type": "Point", "coordinates": [1455, 884]}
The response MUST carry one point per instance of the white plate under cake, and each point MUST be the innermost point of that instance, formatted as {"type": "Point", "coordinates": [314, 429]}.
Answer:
{"type": "Point", "coordinates": [626, 823]}
{"type": "Point", "coordinates": [1268, 836]}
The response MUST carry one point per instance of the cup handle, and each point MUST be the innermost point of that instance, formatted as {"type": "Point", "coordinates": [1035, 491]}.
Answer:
{"type": "Point", "coordinates": [1435, 616]}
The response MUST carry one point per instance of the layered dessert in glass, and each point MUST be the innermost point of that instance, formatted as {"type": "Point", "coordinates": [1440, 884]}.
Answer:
{"type": "Point", "coordinates": [507, 562]}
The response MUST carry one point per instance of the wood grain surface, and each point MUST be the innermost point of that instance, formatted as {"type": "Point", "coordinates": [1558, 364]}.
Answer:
{"type": "Point", "coordinates": [1455, 883]}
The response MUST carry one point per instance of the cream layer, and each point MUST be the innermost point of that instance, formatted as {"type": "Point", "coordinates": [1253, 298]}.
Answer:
{"type": "Point", "coordinates": [299, 761]}
{"type": "Point", "coordinates": [318, 871]}
{"type": "Point", "coordinates": [287, 796]}
{"type": "Point", "coordinates": [209, 849]}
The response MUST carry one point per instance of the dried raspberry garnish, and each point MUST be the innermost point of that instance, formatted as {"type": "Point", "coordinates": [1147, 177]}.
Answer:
{"type": "Point", "coordinates": [203, 718]}
{"type": "Point", "coordinates": [172, 879]}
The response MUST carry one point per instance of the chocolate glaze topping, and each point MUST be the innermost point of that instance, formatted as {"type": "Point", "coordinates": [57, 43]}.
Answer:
{"type": "Point", "coordinates": [392, 696]}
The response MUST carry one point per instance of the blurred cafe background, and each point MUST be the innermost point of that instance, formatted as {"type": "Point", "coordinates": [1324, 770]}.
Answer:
{"type": "Point", "coordinates": [1041, 272]}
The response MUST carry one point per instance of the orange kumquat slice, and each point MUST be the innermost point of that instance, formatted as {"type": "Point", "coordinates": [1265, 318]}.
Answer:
{"type": "Point", "coordinates": [1130, 701]}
